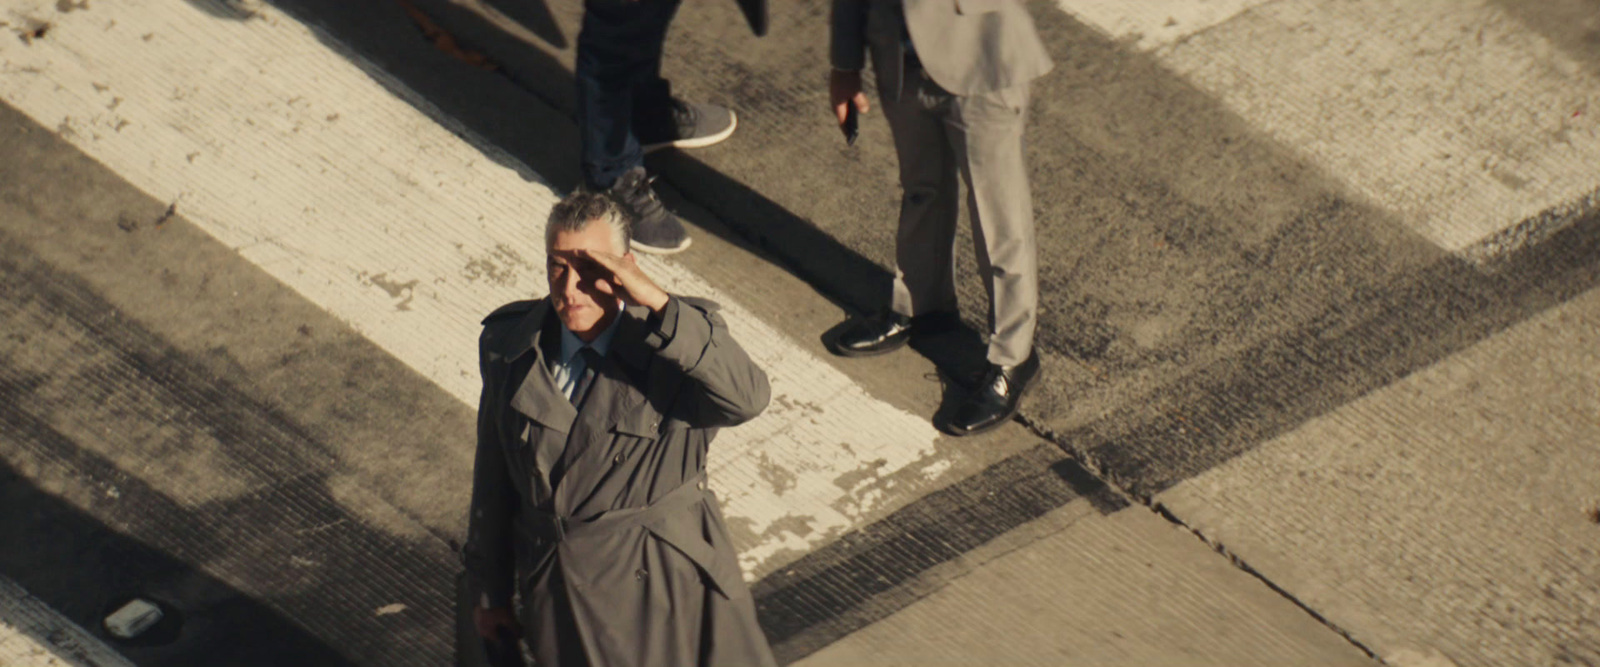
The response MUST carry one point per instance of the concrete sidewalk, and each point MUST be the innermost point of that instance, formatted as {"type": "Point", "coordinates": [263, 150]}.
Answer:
{"type": "Point", "coordinates": [1080, 587]}
{"type": "Point", "coordinates": [1454, 513]}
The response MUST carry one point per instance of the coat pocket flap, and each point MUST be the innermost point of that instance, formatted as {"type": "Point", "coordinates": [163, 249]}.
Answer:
{"type": "Point", "coordinates": [642, 422]}
{"type": "Point", "coordinates": [631, 411]}
{"type": "Point", "coordinates": [683, 534]}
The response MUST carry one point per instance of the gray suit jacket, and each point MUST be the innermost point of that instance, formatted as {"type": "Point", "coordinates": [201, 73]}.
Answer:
{"type": "Point", "coordinates": [966, 46]}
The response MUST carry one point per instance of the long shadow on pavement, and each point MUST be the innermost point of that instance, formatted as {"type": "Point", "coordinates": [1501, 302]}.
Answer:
{"type": "Point", "coordinates": [262, 558]}
{"type": "Point", "coordinates": [81, 567]}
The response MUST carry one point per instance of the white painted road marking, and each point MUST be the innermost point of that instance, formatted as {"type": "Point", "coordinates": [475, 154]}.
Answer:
{"type": "Point", "coordinates": [1448, 113]}
{"type": "Point", "coordinates": [34, 635]}
{"type": "Point", "coordinates": [303, 158]}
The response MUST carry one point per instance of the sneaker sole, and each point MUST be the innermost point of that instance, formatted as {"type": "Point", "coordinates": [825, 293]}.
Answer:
{"type": "Point", "coordinates": [697, 142]}
{"type": "Point", "coordinates": [656, 250]}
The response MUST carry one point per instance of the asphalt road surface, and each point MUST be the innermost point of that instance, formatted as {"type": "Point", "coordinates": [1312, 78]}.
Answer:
{"type": "Point", "coordinates": [1318, 332]}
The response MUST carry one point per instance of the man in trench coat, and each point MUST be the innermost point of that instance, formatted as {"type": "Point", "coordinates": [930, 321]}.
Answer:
{"type": "Point", "coordinates": [589, 491]}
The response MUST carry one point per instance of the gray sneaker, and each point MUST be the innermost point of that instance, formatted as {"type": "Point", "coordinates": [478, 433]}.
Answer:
{"type": "Point", "coordinates": [687, 126]}
{"type": "Point", "coordinates": [655, 229]}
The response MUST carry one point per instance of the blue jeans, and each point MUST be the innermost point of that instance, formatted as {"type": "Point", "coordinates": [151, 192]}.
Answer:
{"type": "Point", "coordinates": [619, 81]}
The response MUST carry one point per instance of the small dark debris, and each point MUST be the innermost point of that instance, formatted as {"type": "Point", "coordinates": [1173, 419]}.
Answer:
{"type": "Point", "coordinates": [304, 329]}
{"type": "Point", "coordinates": [172, 210]}
{"type": "Point", "coordinates": [66, 6]}
{"type": "Point", "coordinates": [1593, 514]}
{"type": "Point", "coordinates": [34, 30]}
{"type": "Point", "coordinates": [333, 117]}
{"type": "Point", "coordinates": [126, 223]}
{"type": "Point", "coordinates": [148, 36]}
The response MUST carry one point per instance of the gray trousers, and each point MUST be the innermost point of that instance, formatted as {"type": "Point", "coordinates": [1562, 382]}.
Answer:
{"type": "Point", "coordinates": [938, 135]}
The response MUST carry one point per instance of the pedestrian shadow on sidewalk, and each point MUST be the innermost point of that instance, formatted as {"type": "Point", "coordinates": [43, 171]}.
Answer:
{"type": "Point", "coordinates": [82, 568]}
{"type": "Point", "coordinates": [277, 570]}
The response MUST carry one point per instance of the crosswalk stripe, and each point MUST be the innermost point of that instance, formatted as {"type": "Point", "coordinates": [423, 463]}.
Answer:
{"type": "Point", "coordinates": [1475, 131]}
{"type": "Point", "coordinates": [33, 635]}
{"type": "Point", "coordinates": [341, 183]}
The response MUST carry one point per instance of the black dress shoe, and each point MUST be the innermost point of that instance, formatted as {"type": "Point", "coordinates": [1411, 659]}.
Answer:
{"type": "Point", "coordinates": [996, 400]}
{"type": "Point", "coordinates": [874, 335]}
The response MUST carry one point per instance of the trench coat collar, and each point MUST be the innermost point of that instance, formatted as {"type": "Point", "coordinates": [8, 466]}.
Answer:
{"type": "Point", "coordinates": [629, 346]}
{"type": "Point", "coordinates": [537, 396]}
{"type": "Point", "coordinates": [540, 399]}
{"type": "Point", "coordinates": [524, 334]}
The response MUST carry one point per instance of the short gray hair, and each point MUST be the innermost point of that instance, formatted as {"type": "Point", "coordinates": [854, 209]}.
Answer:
{"type": "Point", "coordinates": [577, 210]}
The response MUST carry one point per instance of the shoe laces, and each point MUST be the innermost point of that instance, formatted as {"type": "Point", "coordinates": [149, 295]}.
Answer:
{"type": "Point", "coordinates": [683, 114]}
{"type": "Point", "coordinates": [997, 381]}
{"type": "Point", "coordinates": [640, 195]}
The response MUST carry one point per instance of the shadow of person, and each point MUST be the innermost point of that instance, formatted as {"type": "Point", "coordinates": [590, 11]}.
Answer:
{"type": "Point", "coordinates": [957, 350]}
{"type": "Point", "coordinates": [959, 355]}
{"type": "Point", "coordinates": [534, 15]}
{"type": "Point", "coordinates": [85, 568]}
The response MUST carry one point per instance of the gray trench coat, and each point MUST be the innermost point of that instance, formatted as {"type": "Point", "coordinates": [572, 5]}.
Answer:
{"type": "Point", "coordinates": [626, 560]}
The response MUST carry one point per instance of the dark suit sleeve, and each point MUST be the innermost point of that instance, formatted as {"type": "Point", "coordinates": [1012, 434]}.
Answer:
{"type": "Point", "coordinates": [847, 46]}
{"type": "Point", "coordinates": [488, 552]}
{"type": "Point", "coordinates": [725, 387]}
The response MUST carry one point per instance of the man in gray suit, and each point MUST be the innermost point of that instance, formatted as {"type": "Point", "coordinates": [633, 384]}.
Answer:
{"type": "Point", "coordinates": [589, 493]}
{"type": "Point", "coordinates": [954, 77]}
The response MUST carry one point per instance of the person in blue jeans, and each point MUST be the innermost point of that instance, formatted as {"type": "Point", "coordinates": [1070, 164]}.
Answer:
{"type": "Point", "coordinates": [625, 109]}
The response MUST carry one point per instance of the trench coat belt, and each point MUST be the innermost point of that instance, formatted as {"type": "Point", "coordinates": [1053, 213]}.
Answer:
{"type": "Point", "coordinates": [559, 528]}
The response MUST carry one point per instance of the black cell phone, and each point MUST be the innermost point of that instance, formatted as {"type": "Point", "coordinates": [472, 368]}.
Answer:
{"type": "Point", "coordinates": [503, 651]}
{"type": "Point", "coordinates": [852, 125]}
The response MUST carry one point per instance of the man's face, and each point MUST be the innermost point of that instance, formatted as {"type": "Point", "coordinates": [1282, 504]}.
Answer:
{"type": "Point", "coordinates": [576, 283]}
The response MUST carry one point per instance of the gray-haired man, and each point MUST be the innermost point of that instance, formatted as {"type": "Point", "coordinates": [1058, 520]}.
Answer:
{"type": "Point", "coordinates": [589, 492]}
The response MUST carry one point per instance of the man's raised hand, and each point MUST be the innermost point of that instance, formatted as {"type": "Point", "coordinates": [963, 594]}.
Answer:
{"type": "Point", "coordinates": [625, 280]}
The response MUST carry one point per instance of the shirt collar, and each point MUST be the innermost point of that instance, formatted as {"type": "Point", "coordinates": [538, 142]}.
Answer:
{"type": "Point", "coordinates": [571, 343]}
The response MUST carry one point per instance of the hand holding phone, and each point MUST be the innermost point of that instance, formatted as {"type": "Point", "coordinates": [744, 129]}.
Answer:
{"type": "Point", "coordinates": [847, 101]}
{"type": "Point", "coordinates": [851, 126]}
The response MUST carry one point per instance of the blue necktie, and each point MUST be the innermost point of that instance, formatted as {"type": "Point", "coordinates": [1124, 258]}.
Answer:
{"type": "Point", "coordinates": [591, 368]}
